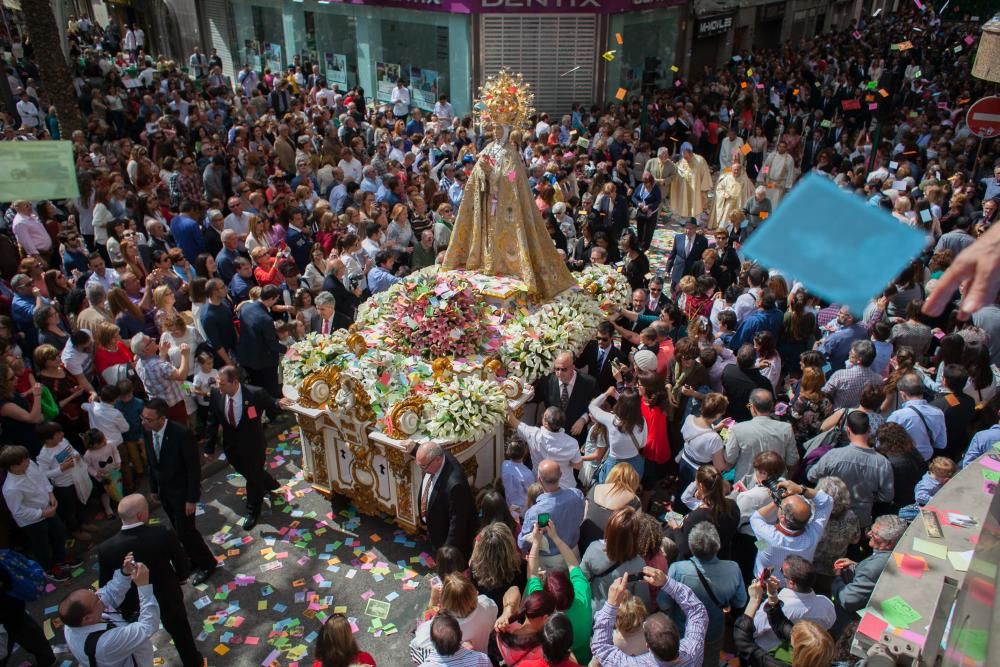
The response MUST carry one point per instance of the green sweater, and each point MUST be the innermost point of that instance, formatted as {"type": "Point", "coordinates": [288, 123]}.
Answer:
{"type": "Point", "coordinates": [578, 613]}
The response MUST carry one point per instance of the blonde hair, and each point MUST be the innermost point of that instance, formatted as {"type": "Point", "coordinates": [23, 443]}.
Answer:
{"type": "Point", "coordinates": [534, 490]}
{"type": "Point", "coordinates": [495, 558]}
{"type": "Point", "coordinates": [458, 595]}
{"type": "Point", "coordinates": [688, 284]}
{"type": "Point", "coordinates": [106, 332]}
{"type": "Point", "coordinates": [812, 646]}
{"type": "Point", "coordinates": [623, 478]}
{"type": "Point", "coordinates": [631, 614]}
{"type": "Point", "coordinates": [942, 467]}
{"type": "Point", "coordinates": [160, 295]}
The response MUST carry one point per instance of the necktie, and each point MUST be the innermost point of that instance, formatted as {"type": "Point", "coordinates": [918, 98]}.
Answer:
{"type": "Point", "coordinates": [326, 326]}
{"type": "Point", "coordinates": [425, 492]}
{"type": "Point", "coordinates": [564, 396]}
{"type": "Point", "coordinates": [232, 413]}
{"type": "Point", "coordinates": [157, 445]}
{"type": "Point", "coordinates": [601, 356]}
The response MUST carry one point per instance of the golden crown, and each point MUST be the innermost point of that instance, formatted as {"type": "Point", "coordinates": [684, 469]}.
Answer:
{"type": "Point", "coordinates": [505, 99]}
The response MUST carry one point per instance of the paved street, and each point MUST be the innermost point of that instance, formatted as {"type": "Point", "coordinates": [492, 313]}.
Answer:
{"type": "Point", "coordinates": [266, 603]}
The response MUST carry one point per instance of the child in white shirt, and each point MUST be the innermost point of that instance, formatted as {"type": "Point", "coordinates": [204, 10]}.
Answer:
{"type": "Point", "coordinates": [57, 460]}
{"type": "Point", "coordinates": [205, 378]}
{"type": "Point", "coordinates": [105, 417]}
{"type": "Point", "coordinates": [32, 504]}
{"type": "Point", "coordinates": [104, 464]}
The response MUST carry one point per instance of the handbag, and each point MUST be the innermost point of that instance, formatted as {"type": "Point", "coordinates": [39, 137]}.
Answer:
{"type": "Point", "coordinates": [82, 482]}
{"type": "Point", "coordinates": [827, 439]}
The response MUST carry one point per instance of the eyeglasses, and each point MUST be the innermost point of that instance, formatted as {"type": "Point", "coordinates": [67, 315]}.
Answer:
{"type": "Point", "coordinates": [655, 290]}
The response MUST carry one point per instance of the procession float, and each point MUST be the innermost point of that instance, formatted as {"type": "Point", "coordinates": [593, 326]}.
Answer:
{"type": "Point", "coordinates": [444, 354]}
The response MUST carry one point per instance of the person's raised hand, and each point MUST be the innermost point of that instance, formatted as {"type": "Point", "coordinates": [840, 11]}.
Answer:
{"type": "Point", "coordinates": [842, 564]}
{"type": "Point", "coordinates": [773, 586]}
{"type": "Point", "coordinates": [980, 264]}
{"type": "Point", "coordinates": [185, 348]}
{"type": "Point", "coordinates": [140, 574]}
{"type": "Point", "coordinates": [654, 576]}
{"type": "Point", "coordinates": [755, 592]}
{"type": "Point", "coordinates": [790, 487]}
{"type": "Point", "coordinates": [618, 590]}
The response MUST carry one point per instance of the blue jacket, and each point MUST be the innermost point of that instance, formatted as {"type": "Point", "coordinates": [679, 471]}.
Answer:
{"type": "Point", "coordinates": [300, 245]}
{"type": "Point", "coordinates": [225, 264]}
{"type": "Point", "coordinates": [239, 288]}
{"type": "Point", "coordinates": [759, 320]}
{"type": "Point", "coordinates": [187, 236]}
{"type": "Point", "coordinates": [258, 346]}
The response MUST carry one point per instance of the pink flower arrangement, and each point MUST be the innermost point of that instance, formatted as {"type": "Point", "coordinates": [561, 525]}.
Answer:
{"type": "Point", "coordinates": [436, 316]}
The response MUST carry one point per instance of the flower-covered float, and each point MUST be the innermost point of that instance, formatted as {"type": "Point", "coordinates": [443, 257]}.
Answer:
{"type": "Point", "coordinates": [440, 356]}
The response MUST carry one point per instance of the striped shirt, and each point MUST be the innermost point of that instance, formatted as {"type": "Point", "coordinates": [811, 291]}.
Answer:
{"type": "Point", "coordinates": [692, 645]}
{"type": "Point", "coordinates": [463, 657]}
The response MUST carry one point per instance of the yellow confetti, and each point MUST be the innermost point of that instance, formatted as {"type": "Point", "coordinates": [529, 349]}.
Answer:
{"type": "Point", "coordinates": [749, 72]}
{"type": "Point", "coordinates": [618, 37]}
{"type": "Point", "coordinates": [222, 649]}
{"type": "Point", "coordinates": [675, 68]}
{"type": "Point", "coordinates": [621, 94]}
{"type": "Point", "coordinates": [608, 55]}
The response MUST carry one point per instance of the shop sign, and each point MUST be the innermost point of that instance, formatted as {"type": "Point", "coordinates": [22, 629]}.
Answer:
{"type": "Point", "coordinates": [713, 25]}
{"type": "Point", "coordinates": [521, 6]}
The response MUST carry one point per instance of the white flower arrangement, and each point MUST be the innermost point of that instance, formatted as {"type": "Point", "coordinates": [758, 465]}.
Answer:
{"type": "Point", "coordinates": [465, 409]}
{"type": "Point", "coordinates": [313, 353]}
{"type": "Point", "coordinates": [605, 284]}
{"type": "Point", "coordinates": [567, 323]}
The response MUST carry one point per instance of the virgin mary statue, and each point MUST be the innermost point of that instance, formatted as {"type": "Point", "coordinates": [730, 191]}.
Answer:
{"type": "Point", "coordinates": [499, 230]}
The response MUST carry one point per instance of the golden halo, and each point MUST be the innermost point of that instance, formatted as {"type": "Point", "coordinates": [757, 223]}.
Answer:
{"type": "Point", "coordinates": [505, 99]}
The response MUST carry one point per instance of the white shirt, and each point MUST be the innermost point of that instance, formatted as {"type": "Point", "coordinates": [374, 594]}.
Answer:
{"type": "Point", "coordinates": [118, 646]}
{"type": "Point", "coordinates": [49, 464]}
{"type": "Point", "coordinates": [746, 304]}
{"type": "Point", "coordinates": [108, 420]}
{"type": "Point", "coordinates": [476, 628]}
{"type": "Point", "coordinates": [27, 495]}
{"type": "Point", "coordinates": [352, 169]}
{"type": "Point", "coordinates": [797, 607]}
{"type": "Point", "coordinates": [400, 101]}
{"type": "Point", "coordinates": [157, 437]}
{"type": "Point", "coordinates": [237, 402]}
{"type": "Point", "coordinates": [557, 446]}
{"type": "Point", "coordinates": [78, 362]}
{"type": "Point", "coordinates": [426, 488]}
{"type": "Point", "coordinates": [28, 112]}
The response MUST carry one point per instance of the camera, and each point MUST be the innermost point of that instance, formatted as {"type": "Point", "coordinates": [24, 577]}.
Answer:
{"type": "Point", "coordinates": [777, 493]}
{"type": "Point", "coordinates": [634, 576]}
{"type": "Point", "coordinates": [354, 280]}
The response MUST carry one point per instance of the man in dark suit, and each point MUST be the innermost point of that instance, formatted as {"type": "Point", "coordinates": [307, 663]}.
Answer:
{"type": "Point", "coordinates": [656, 299]}
{"type": "Point", "coordinates": [599, 356]}
{"type": "Point", "coordinates": [739, 380]}
{"type": "Point", "coordinates": [238, 408]}
{"type": "Point", "coordinates": [811, 148]}
{"type": "Point", "coordinates": [258, 349]}
{"type": "Point", "coordinates": [570, 390]}
{"type": "Point", "coordinates": [327, 319]}
{"type": "Point", "coordinates": [346, 301]}
{"type": "Point", "coordinates": [446, 504]}
{"type": "Point", "coordinates": [686, 251]}
{"type": "Point", "coordinates": [159, 549]}
{"type": "Point", "coordinates": [175, 480]}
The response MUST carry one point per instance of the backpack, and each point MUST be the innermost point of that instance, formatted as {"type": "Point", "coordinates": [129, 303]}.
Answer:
{"type": "Point", "coordinates": [27, 579]}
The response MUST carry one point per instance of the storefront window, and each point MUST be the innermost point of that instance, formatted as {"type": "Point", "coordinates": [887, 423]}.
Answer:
{"type": "Point", "coordinates": [362, 45]}
{"type": "Point", "coordinates": [647, 52]}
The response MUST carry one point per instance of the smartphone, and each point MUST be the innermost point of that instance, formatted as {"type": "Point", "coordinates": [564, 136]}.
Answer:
{"type": "Point", "coordinates": [764, 576]}
{"type": "Point", "coordinates": [634, 576]}
{"type": "Point", "coordinates": [543, 519]}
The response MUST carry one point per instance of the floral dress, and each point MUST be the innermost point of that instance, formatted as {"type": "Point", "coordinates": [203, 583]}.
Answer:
{"type": "Point", "coordinates": [807, 415]}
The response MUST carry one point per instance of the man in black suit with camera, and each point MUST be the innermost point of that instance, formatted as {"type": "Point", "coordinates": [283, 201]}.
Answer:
{"type": "Point", "coordinates": [445, 503]}
{"type": "Point", "coordinates": [160, 550]}
{"type": "Point", "coordinates": [175, 480]}
{"type": "Point", "coordinates": [238, 408]}
{"type": "Point", "coordinates": [570, 390]}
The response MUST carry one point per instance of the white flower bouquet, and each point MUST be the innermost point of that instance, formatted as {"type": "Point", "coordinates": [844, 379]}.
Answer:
{"type": "Point", "coordinates": [464, 409]}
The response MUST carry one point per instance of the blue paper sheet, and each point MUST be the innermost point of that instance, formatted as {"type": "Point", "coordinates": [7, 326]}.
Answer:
{"type": "Point", "coordinates": [834, 243]}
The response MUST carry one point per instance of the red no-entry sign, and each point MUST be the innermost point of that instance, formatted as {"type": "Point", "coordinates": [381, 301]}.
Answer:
{"type": "Point", "coordinates": [984, 117]}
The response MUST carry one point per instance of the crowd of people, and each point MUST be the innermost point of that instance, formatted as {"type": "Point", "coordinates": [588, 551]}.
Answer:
{"type": "Point", "coordinates": [727, 466]}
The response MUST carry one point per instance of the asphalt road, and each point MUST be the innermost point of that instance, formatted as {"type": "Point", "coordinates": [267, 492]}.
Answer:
{"type": "Point", "coordinates": [305, 559]}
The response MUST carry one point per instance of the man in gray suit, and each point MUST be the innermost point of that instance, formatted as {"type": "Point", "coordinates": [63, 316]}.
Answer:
{"type": "Point", "coordinates": [687, 250]}
{"type": "Point", "coordinates": [854, 587]}
{"type": "Point", "coordinates": [762, 433]}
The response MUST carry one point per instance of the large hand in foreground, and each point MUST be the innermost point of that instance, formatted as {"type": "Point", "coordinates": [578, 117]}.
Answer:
{"type": "Point", "coordinates": [980, 262]}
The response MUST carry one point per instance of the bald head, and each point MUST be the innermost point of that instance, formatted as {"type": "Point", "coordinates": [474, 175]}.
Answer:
{"type": "Point", "coordinates": [133, 509]}
{"type": "Point", "coordinates": [795, 512]}
{"type": "Point", "coordinates": [549, 474]}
